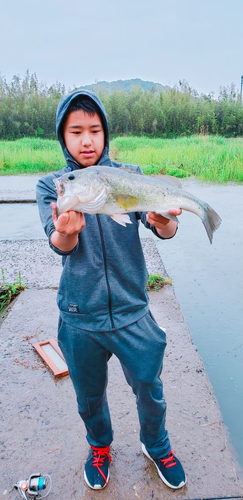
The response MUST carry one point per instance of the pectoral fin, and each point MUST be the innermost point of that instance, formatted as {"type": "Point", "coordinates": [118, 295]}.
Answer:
{"type": "Point", "coordinates": [126, 201]}
{"type": "Point", "coordinates": [121, 219]}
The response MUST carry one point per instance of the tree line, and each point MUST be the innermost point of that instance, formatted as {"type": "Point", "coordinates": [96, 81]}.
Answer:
{"type": "Point", "coordinates": [28, 108]}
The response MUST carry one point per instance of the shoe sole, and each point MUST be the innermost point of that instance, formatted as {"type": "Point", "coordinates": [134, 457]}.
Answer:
{"type": "Point", "coordinates": [160, 473]}
{"type": "Point", "coordinates": [97, 486]}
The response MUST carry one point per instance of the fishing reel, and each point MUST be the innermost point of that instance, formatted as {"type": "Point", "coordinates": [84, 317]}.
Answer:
{"type": "Point", "coordinates": [34, 486]}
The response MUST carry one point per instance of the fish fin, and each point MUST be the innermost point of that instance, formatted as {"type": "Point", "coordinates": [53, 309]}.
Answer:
{"type": "Point", "coordinates": [126, 201]}
{"type": "Point", "coordinates": [174, 181]}
{"type": "Point", "coordinates": [127, 169]}
{"type": "Point", "coordinates": [211, 222]}
{"type": "Point", "coordinates": [121, 219]}
{"type": "Point", "coordinates": [167, 215]}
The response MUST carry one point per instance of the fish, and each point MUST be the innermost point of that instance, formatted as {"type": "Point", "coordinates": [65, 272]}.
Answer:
{"type": "Point", "coordinates": [117, 191]}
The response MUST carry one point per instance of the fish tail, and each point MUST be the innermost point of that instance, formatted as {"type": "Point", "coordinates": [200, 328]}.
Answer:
{"type": "Point", "coordinates": [211, 221]}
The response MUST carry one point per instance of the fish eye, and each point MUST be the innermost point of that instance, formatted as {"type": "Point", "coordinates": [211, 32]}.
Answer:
{"type": "Point", "coordinates": [71, 177]}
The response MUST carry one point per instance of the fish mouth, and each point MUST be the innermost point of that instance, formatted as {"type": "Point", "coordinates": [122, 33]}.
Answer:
{"type": "Point", "coordinates": [66, 203]}
{"type": "Point", "coordinates": [59, 186]}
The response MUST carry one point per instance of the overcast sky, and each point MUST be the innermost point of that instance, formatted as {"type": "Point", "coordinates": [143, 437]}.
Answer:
{"type": "Point", "coordinates": [77, 42]}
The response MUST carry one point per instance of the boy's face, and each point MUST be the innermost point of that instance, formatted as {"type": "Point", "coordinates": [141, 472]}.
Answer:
{"type": "Point", "coordinates": [84, 137]}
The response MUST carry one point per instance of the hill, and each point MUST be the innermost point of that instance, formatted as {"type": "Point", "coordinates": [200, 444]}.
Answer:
{"type": "Point", "coordinates": [125, 86]}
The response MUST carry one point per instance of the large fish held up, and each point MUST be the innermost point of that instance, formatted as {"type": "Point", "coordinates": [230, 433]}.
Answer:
{"type": "Point", "coordinates": [117, 191]}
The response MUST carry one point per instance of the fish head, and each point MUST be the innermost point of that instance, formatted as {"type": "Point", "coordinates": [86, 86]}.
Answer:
{"type": "Point", "coordinates": [78, 189]}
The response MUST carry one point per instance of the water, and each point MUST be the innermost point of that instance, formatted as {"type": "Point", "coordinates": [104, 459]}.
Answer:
{"type": "Point", "coordinates": [20, 221]}
{"type": "Point", "coordinates": [208, 282]}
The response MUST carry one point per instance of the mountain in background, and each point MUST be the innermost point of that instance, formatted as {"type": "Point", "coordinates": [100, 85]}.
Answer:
{"type": "Point", "coordinates": [125, 86]}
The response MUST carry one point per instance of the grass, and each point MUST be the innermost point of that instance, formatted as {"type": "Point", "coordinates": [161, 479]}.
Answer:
{"type": "Point", "coordinates": [30, 156]}
{"type": "Point", "coordinates": [211, 158]}
{"type": "Point", "coordinates": [156, 281]}
{"type": "Point", "coordinates": [8, 291]}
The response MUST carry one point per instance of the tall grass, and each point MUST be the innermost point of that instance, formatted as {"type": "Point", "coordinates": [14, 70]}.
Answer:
{"type": "Point", "coordinates": [205, 157]}
{"type": "Point", "coordinates": [30, 155]}
{"type": "Point", "coordinates": [211, 158]}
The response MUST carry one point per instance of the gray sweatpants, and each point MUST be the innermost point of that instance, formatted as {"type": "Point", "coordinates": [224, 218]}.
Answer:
{"type": "Point", "coordinates": [140, 348]}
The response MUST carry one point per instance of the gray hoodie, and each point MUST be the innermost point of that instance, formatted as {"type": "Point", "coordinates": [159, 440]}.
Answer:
{"type": "Point", "coordinates": [103, 283]}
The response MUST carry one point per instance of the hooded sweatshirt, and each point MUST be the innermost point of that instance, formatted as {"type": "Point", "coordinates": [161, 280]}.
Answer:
{"type": "Point", "coordinates": [103, 282]}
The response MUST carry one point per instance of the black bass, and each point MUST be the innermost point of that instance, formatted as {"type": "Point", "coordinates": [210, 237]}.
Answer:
{"type": "Point", "coordinates": [117, 191]}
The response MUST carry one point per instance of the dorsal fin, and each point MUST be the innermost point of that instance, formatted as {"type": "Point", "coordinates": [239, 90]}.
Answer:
{"type": "Point", "coordinates": [172, 180]}
{"type": "Point", "coordinates": [129, 170]}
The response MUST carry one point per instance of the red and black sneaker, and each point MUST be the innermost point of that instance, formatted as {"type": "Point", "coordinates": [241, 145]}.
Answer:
{"type": "Point", "coordinates": [169, 469]}
{"type": "Point", "coordinates": [96, 470]}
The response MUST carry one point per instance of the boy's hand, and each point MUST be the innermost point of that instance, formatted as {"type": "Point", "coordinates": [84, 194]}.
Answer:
{"type": "Point", "coordinates": [159, 221]}
{"type": "Point", "coordinates": [68, 223]}
{"type": "Point", "coordinates": [165, 227]}
{"type": "Point", "coordinates": [68, 226]}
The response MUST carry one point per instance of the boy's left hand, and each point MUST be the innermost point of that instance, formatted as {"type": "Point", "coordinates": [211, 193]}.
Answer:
{"type": "Point", "coordinates": [166, 228]}
{"type": "Point", "coordinates": [159, 221]}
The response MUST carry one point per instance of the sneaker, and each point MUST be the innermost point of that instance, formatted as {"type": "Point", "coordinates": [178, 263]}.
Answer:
{"type": "Point", "coordinates": [96, 470]}
{"type": "Point", "coordinates": [169, 468]}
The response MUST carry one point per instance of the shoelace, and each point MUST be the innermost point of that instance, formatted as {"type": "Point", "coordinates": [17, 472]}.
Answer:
{"type": "Point", "coordinates": [99, 455]}
{"type": "Point", "coordinates": [169, 460]}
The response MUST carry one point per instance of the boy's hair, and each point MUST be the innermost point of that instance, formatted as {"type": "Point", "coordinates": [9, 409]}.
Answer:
{"type": "Point", "coordinates": [84, 103]}
{"type": "Point", "coordinates": [87, 105]}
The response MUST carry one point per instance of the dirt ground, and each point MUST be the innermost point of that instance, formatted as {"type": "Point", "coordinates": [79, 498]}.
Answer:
{"type": "Point", "coordinates": [40, 428]}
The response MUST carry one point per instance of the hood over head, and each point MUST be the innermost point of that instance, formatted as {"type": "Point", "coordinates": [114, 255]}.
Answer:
{"type": "Point", "coordinates": [61, 112]}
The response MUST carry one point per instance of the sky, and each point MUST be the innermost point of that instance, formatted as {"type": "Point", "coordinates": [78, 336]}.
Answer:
{"type": "Point", "coordinates": [78, 42]}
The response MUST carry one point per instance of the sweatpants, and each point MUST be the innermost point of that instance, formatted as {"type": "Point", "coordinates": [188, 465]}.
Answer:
{"type": "Point", "coordinates": [140, 349]}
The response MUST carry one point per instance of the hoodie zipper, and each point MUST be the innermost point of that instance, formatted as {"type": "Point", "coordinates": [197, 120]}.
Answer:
{"type": "Point", "coordinates": [106, 274]}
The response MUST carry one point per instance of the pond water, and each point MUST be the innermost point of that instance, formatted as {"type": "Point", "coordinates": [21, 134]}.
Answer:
{"type": "Point", "coordinates": [20, 221]}
{"type": "Point", "coordinates": [208, 282]}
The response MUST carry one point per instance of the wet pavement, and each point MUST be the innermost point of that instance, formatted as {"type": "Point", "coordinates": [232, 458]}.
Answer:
{"type": "Point", "coordinates": [40, 426]}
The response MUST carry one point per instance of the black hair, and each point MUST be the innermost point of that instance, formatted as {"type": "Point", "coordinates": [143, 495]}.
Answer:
{"type": "Point", "coordinates": [87, 105]}
{"type": "Point", "coordinates": [84, 103]}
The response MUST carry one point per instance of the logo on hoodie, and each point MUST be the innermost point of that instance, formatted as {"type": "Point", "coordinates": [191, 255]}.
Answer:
{"type": "Point", "coordinates": [73, 308]}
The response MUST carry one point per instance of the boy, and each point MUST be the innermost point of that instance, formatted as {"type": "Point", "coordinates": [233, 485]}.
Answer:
{"type": "Point", "coordinates": [103, 300]}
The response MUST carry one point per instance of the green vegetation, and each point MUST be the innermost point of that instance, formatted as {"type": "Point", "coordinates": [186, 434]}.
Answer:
{"type": "Point", "coordinates": [8, 291]}
{"type": "Point", "coordinates": [29, 155]}
{"type": "Point", "coordinates": [125, 86]}
{"type": "Point", "coordinates": [156, 281]}
{"type": "Point", "coordinates": [28, 108]}
{"type": "Point", "coordinates": [211, 158]}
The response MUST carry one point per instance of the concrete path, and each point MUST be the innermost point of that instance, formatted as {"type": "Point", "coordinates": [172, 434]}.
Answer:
{"type": "Point", "coordinates": [40, 427]}
{"type": "Point", "coordinates": [18, 187]}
